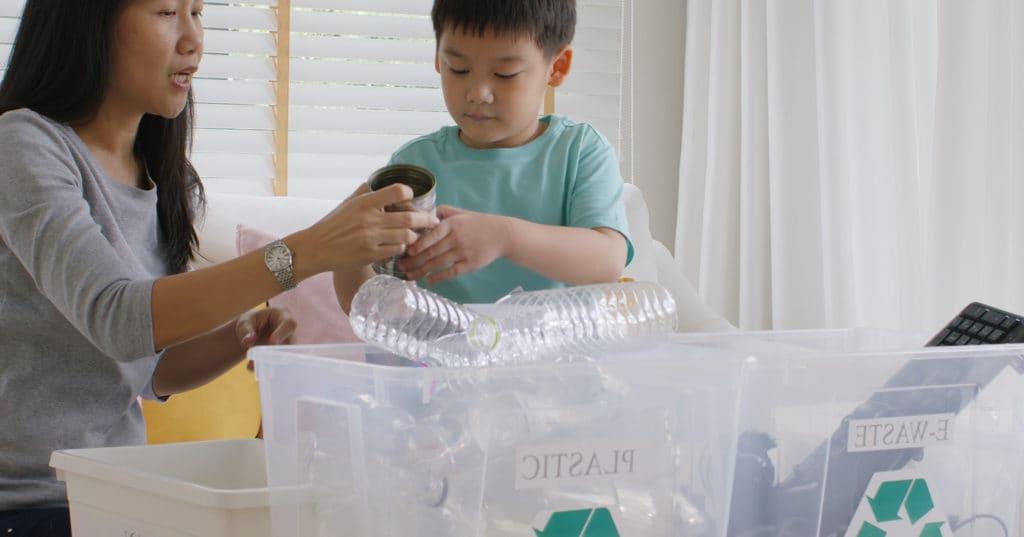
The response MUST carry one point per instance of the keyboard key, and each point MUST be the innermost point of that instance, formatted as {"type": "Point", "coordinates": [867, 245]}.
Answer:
{"type": "Point", "coordinates": [974, 341]}
{"type": "Point", "coordinates": [976, 328]}
{"type": "Point", "coordinates": [967, 323]}
{"type": "Point", "coordinates": [963, 340]}
{"type": "Point", "coordinates": [985, 331]}
{"type": "Point", "coordinates": [993, 317]}
{"type": "Point", "coordinates": [956, 322]}
{"type": "Point", "coordinates": [951, 338]}
{"type": "Point", "coordinates": [976, 311]}
{"type": "Point", "coordinates": [1009, 324]}
{"type": "Point", "coordinates": [996, 335]}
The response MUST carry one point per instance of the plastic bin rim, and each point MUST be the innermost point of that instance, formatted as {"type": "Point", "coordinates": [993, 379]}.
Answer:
{"type": "Point", "coordinates": [275, 353]}
{"type": "Point", "coordinates": [77, 461]}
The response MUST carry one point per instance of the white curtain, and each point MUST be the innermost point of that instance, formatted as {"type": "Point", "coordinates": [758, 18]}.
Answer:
{"type": "Point", "coordinates": [853, 163]}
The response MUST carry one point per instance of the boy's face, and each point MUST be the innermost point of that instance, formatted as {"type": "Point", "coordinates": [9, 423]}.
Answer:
{"type": "Point", "coordinates": [494, 85]}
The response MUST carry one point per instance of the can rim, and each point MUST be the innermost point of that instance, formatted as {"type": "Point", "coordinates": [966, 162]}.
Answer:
{"type": "Point", "coordinates": [389, 174]}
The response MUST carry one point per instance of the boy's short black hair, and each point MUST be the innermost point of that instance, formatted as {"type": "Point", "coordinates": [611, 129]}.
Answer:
{"type": "Point", "coordinates": [551, 23]}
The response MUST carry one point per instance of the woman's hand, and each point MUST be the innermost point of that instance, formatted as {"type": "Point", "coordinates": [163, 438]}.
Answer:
{"type": "Point", "coordinates": [360, 231]}
{"type": "Point", "coordinates": [270, 326]}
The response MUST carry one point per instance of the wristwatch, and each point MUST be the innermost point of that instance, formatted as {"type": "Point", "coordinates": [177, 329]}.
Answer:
{"type": "Point", "coordinates": [278, 259]}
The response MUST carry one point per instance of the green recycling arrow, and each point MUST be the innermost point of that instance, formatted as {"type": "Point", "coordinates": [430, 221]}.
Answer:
{"type": "Point", "coordinates": [886, 504]}
{"type": "Point", "coordinates": [919, 501]}
{"type": "Point", "coordinates": [580, 523]}
{"type": "Point", "coordinates": [870, 530]}
{"type": "Point", "coordinates": [933, 529]}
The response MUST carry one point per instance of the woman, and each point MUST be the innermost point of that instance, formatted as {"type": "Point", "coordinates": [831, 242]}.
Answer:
{"type": "Point", "coordinates": [96, 232]}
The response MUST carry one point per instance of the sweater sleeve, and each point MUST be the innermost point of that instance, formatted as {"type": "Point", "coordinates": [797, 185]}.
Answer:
{"type": "Point", "coordinates": [47, 224]}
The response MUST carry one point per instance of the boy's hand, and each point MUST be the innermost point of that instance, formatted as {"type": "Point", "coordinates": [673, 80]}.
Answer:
{"type": "Point", "coordinates": [464, 241]}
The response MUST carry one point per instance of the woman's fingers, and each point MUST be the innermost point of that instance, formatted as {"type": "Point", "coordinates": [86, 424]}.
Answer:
{"type": "Point", "coordinates": [245, 331]}
{"type": "Point", "coordinates": [389, 250]}
{"type": "Point", "coordinates": [391, 237]}
{"type": "Point", "coordinates": [363, 188]}
{"type": "Point", "coordinates": [389, 195]}
{"type": "Point", "coordinates": [272, 326]}
{"type": "Point", "coordinates": [408, 220]}
{"type": "Point", "coordinates": [361, 231]}
{"type": "Point", "coordinates": [284, 331]}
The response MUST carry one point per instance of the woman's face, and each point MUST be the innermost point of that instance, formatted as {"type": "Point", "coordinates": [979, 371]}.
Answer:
{"type": "Point", "coordinates": [156, 49]}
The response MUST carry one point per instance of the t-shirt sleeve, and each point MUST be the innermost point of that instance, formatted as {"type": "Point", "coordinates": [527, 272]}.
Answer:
{"type": "Point", "coordinates": [596, 197]}
{"type": "Point", "coordinates": [406, 154]}
{"type": "Point", "coordinates": [47, 224]}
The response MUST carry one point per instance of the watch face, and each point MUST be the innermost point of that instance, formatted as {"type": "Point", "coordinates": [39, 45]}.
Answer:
{"type": "Point", "coordinates": [278, 258]}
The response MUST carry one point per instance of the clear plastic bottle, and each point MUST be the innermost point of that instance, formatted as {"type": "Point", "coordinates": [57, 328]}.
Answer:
{"type": "Point", "coordinates": [523, 327]}
{"type": "Point", "coordinates": [404, 318]}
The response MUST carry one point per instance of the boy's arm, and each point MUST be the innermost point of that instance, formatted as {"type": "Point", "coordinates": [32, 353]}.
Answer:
{"type": "Point", "coordinates": [576, 256]}
{"type": "Point", "coordinates": [465, 241]}
{"type": "Point", "coordinates": [346, 283]}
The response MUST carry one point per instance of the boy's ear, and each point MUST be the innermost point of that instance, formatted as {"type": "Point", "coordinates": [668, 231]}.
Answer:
{"type": "Point", "coordinates": [560, 67]}
{"type": "Point", "coordinates": [437, 61]}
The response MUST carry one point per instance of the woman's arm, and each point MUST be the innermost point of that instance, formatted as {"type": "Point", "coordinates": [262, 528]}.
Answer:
{"type": "Point", "coordinates": [358, 232]}
{"type": "Point", "coordinates": [347, 283]}
{"type": "Point", "coordinates": [47, 223]}
{"type": "Point", "coordinates": [200, 360]}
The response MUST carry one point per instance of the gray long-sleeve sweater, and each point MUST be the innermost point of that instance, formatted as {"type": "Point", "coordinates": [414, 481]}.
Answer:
{"type": "Point", "coordinates": [79, 253]}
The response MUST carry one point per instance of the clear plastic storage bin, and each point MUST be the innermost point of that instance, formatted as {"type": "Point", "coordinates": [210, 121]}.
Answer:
{"type": "Point", "coordinates": [640, 442]}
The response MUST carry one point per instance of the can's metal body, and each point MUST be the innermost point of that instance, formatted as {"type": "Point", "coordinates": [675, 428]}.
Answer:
{"type": "Point", "coordinates": [424, 189]}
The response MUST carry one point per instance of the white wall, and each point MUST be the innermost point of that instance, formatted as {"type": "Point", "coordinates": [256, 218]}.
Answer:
{"type": "Point", "coordinates": [658, 108]}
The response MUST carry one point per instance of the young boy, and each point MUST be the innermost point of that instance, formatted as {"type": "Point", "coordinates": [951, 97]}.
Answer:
{"type": "Point", "coordinates": [523, 201]}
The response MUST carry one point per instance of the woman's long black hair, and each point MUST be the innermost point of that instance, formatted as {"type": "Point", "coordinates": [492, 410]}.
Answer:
{"type": "Point", "coordinates": [60, 67]}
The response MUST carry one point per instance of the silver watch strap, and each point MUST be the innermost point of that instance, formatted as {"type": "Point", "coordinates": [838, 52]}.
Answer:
{"type": "Point", "coordinates": [286, 278]}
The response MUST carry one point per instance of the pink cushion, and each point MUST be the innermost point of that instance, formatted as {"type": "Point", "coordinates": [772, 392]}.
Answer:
{"type": "Point", "coordinates": [313, 303]}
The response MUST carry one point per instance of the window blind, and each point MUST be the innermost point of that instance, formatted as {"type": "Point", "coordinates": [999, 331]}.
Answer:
{"type": "Point", "coordinates": [236, 98]}
{"type": "Point", "coordinates": [10, 13]}
{"type": "Point", "coordinates": [359, 82]}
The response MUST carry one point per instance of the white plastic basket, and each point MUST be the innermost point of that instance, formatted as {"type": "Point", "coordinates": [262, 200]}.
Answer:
{"type": "Point", "coordinates": [196, 489]}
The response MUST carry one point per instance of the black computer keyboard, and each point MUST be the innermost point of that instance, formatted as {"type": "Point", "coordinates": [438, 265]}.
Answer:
{"type": "Point", "coordinates": [979, 324]}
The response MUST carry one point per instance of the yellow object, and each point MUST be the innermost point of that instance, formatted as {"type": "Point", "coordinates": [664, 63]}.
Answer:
{"type": "Point", "coordinates": [226, 408]}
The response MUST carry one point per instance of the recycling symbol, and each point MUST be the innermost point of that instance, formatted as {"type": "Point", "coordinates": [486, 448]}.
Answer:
{"type": "Point", "coordinates": [579, 523]}
{"type": "Point", "coordinates": [898, 504]}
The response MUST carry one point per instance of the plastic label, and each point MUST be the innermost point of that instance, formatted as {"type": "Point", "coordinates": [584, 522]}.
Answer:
{"type": "Point", "coordinates": [545, 466]}
{"type": "Point", "coordinates": [880, 434]}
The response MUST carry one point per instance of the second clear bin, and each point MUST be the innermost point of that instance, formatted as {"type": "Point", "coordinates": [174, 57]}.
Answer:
{"type": "Point", "coordinates": [868, 434]}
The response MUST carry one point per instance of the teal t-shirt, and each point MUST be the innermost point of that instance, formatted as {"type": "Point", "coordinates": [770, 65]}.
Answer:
{"type": "Point", "coordinates": [567, 176]}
